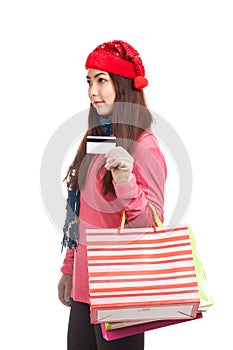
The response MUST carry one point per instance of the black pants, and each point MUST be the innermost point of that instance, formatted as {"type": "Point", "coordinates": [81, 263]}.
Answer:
{"type": "Point", "coordinates": [84, 336]}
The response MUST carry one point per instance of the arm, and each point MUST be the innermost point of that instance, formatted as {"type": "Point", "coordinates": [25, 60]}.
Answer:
{"type": "Point", "coordinates": [65, 283]}
{"type": "Point", "coordinates": [146, 183]}
{"type": "Point", "coordinates": [69, 229]}
{"type": "Point", "coordinates": [68, 262]}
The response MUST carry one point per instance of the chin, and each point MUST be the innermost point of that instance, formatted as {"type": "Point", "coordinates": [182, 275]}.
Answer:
{"type": "Point", "coordinates": [104, 111]}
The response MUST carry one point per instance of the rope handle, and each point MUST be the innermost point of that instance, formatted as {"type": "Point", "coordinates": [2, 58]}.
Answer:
{"type": "Point", "coordinates": [155, 220]}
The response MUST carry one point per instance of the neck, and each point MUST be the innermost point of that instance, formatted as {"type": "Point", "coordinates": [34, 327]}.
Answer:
{"type": "Point", "coordinates": [105, 125]}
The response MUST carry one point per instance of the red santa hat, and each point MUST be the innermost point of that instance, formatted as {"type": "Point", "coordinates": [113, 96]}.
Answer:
{"type": "Point", "coordinates": [118, 57]}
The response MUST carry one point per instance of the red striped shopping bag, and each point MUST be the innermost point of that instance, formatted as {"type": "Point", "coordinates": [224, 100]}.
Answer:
{"type": "Point", "coordinates": [141, 274]}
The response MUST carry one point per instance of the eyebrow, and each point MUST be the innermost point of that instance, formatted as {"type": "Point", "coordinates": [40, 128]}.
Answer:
{"type": "Point", "coordinates": [96, 75]}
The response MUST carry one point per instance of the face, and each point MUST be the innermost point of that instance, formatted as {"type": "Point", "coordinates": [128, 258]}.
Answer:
{"type": "Point", "coordinates": [101, 90]}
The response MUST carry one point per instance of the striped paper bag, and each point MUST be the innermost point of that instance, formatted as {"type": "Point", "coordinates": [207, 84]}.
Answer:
{"type": "Point", "coordinates": [141, 275]}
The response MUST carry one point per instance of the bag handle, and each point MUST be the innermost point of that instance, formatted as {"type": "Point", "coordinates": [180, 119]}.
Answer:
{"type": "Point", "coordinates": [155, 220]}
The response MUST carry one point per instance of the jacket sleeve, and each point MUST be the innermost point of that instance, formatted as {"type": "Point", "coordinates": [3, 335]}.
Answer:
{"type": "Point", "coordinates": [68, 263]}
{"type": "Point", "coordinates": [146, 186]}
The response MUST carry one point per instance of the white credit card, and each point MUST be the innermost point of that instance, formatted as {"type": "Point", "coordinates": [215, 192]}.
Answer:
{"type": "Point", "coordinates": [100, 144]}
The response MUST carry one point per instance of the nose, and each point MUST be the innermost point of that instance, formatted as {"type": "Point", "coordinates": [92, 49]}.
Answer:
{"type": "Point", "coordinates": [93, 90]}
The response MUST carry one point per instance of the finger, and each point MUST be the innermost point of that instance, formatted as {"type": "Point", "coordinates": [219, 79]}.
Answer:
{"type": "Point", "coordinates": [120, 157]}
{"type": "Point", "coordinates": [68, 304]}
{"type": "Point", "coordinates": [67, 294]}
{"type": "Point", "coordinates": [118, 163]}
{"type": "Point", "coordinates": [115, 152]}
{"type": "Point", "coordinates": [61, 293]}
{"type": "Point", "coordinates": [61, 298]}
{"type": "Point", "coordinates": [63, 301]}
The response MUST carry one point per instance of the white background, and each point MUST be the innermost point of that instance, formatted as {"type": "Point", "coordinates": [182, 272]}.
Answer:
{"type": "Point", "coordinates": [186, 47]}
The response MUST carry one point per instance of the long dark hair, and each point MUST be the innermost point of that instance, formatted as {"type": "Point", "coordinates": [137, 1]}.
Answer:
{"type": "Point", "coordinates": [130, 117]}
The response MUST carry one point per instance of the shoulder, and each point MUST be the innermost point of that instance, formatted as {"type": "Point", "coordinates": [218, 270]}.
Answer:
{"type": "Point", "coordinates": [148, 150]}
{"type": "Point", "coordinates": [148, 139]}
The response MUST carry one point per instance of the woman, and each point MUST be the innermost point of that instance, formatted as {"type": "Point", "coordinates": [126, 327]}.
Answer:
{"type": "Point", "coordinates": [129, 177]}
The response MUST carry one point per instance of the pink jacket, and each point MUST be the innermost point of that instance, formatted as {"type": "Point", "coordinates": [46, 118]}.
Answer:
{"type": "Point", "coordinates": [98, 211]}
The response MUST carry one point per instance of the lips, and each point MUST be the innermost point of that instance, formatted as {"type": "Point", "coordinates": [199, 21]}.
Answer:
{"type": "Point", "coordinates": [97, 103]}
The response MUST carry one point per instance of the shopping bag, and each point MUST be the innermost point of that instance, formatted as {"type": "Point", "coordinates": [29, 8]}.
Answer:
{"type": "Point", "coordinates": [140, 328]}
{"type": "Point", "coordinates": [141, 274]}
{"type": "Point", "coordinates": [206, 300]}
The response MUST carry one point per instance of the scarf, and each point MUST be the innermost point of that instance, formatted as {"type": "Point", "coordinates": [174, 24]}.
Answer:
{"type": "Point", "coordinates": [70, 228]}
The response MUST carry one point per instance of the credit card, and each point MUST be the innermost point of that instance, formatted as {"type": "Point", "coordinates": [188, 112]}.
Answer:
{"type": "Point", "coordinates": [100, 144]}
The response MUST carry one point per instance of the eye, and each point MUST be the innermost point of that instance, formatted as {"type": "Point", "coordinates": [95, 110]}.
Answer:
{"type": "Point", "coordinates": [89, 82]}
{"type": "Point", "coordinates": [101, 80]}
